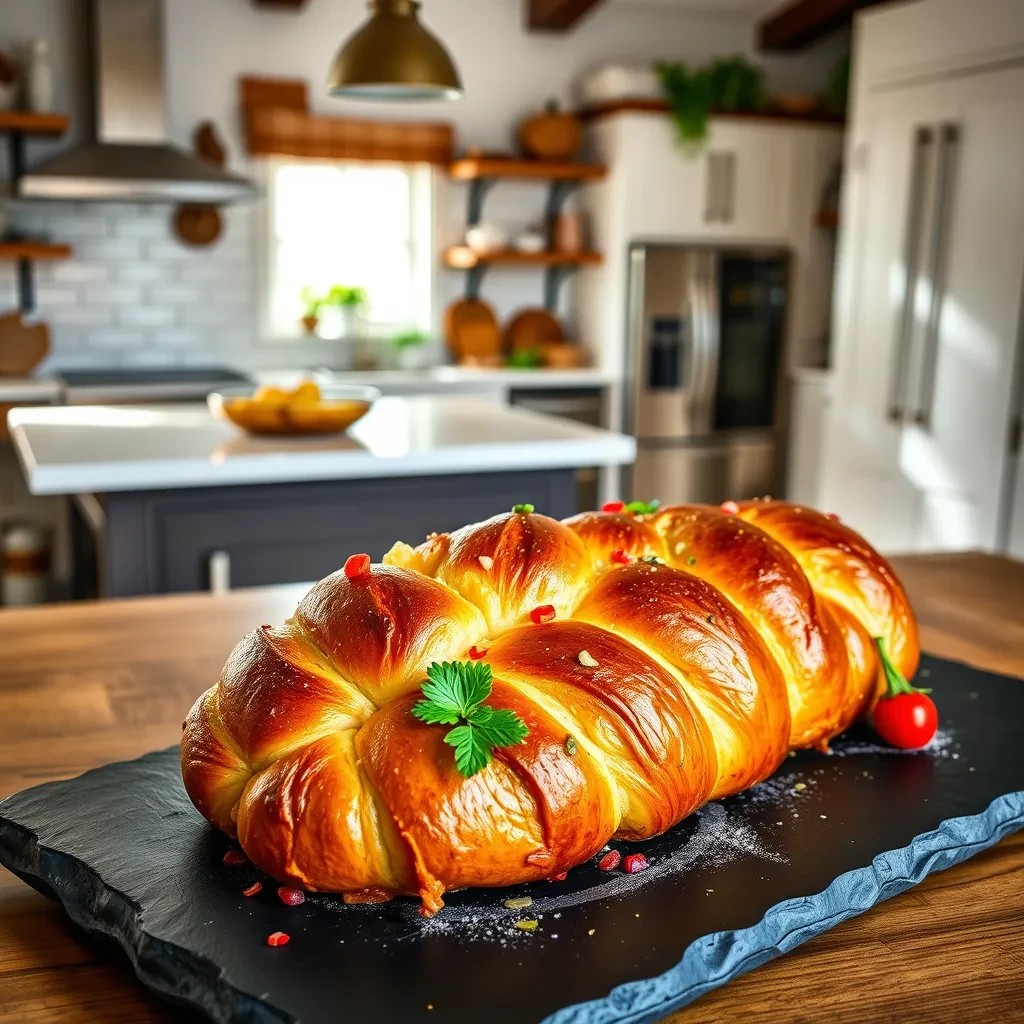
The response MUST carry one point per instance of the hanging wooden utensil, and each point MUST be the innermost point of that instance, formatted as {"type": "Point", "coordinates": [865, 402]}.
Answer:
{"type": "Point", "coordinates": [471, 329]}
{"type": "Point", "coordinates": [200, 224]}
{"type": "Point", "coordinates": [22, 346]}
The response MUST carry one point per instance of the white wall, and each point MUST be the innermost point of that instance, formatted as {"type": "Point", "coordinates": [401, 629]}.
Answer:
{"type": "Point", "coordinates": [203, 305]}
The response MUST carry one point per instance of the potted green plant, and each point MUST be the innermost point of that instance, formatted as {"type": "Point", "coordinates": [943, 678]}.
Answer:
{"type": "Point", "coordinates": [350, 301]}
{"type": "Point", "coordinates": [727, 85]}
{"type": "Point", "coordinates": [409, 349]}
{"type": "Point", "coordinates": [312, 304]}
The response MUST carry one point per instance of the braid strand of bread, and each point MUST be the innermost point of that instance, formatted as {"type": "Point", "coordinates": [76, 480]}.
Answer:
{"type": "Point", "coordinates": [726, 641]}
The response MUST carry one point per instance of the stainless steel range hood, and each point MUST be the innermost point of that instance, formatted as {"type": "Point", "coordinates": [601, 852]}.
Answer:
{"type": "Point", "coordinates": [131, 158]}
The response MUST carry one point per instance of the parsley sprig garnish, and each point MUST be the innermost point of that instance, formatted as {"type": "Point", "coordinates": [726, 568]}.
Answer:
{"type": "Point", "coordinates": [454, 694]}
{"type": "Point", "coordinates": [643, 508]}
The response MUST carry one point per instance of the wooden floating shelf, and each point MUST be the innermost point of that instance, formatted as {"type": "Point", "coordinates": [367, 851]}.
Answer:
{"type": "Point", "coordinates": [28, 250]}
{"type": "Point", "coordinates": [461, 257]}
{"type": "Point", "coordinates": [33, 124]}
{"type": "Point", "coordinates": [658, 106]}
{"type": "Point", "coordinates": [473, 168]}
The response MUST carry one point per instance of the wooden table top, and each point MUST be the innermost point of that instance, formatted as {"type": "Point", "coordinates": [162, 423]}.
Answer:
{"type": "Point", "coordinates": [84, 684]}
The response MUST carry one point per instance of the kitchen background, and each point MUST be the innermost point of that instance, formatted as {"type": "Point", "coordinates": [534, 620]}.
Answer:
{"type": "Point", "coordinates": [133, 295]}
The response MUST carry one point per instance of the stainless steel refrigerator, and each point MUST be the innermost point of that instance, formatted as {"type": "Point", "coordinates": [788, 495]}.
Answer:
{"type": "Point", "coordinates": [703, 370]}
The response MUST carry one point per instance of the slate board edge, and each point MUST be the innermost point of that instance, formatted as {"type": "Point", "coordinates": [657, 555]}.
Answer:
{"type": "Point", "coordinates": [713, 960]}
{"type": "Point", "coordinates": [166, 968]}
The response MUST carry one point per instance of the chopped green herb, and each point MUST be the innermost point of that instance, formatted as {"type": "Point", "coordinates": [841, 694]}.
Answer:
{"type": "Point", "coordinates": [571, 746]}
{"type": "Point", "coordinates": [651, 560]}
{"type": "Point", "coordinates": [692, 560]}
{"type": "Point", "coordinates": [525, 507]}
{"type": "Point", "coordinates": [526, 926]}
{"type": "Point", "coordinates": [454, 694]}
{"type": "Point", "coordinates": [711, 619]}
{"type": "Point", "coordinates": [643, 508]}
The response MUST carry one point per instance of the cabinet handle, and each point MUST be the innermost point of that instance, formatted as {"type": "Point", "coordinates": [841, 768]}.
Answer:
{"type": "Point", "coordinates": [949, 137]}
{"type": "Point", "coordinates": [923, 138]}
{"type": "Point", "coordinates": [219, 569]}
{"type": "Point", "coordinates": [711, 189]}
{"type": "Point", "coordinates": [729, 187]}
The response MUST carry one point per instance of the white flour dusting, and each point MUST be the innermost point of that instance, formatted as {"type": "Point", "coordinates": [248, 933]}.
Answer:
{"type": "Point", "coordinates": [722, 834]}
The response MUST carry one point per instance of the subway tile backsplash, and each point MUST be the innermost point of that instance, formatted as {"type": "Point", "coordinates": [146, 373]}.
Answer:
{"type": "Point", "coordinates": [133, 294]}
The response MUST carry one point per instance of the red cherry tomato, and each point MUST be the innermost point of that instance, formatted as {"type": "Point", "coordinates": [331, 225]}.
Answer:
{"type": "Point", "coordinates": [908, 720]}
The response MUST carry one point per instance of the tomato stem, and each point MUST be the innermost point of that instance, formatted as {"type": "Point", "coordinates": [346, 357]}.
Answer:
{"type": "Point", "coordinates": [896, 682]}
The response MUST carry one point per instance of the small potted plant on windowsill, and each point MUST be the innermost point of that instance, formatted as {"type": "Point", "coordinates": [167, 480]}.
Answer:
{"type": "Point", "coordinates": [409, 346]}
{"type": "Point", "coordinates": [312, 303]}
{"type": "Point", "coordinates": [350, 301]}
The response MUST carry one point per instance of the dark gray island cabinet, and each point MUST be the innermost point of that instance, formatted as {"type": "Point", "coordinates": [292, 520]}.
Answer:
{"type": "Point", "coordinates": [170, 499]}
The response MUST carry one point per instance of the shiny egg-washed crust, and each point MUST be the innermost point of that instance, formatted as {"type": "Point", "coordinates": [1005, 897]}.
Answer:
{"type": "Point", "coordinates": [727, 640]}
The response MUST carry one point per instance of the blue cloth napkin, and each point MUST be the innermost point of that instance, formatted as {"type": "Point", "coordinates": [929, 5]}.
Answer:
{"type": "Point", "coordinates": [713, 960]}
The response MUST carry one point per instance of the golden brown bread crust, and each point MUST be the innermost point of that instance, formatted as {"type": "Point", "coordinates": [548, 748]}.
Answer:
{"type": "Point", "coordinates": [744, 634]}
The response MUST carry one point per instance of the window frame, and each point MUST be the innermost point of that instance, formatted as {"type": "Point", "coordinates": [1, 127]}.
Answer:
{"type": "Point", "coordinates": [423, 205]}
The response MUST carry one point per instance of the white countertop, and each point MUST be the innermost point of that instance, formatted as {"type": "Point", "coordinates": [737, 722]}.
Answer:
{"type": "Point", "coordinates": [28, 389]}
{"type": "Point", "coordinates": [454, 378]}
{"type": "Point", "coordinates": [94, 449]}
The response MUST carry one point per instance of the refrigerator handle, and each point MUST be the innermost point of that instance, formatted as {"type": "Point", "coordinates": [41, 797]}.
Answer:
{"type": "Point", "coordinates": [703, 338]}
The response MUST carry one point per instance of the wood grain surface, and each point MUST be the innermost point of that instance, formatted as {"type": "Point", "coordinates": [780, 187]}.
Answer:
{"type": "Point", "coordinates": [84, 684]}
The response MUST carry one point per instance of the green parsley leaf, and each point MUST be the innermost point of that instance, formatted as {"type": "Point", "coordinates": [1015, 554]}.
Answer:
{"type": "Point", "coordinates": [453, 695]}
{"type": "Point", "coordinates": [643, 508]}
{"type": "Point", "coordinates": [525, 507]}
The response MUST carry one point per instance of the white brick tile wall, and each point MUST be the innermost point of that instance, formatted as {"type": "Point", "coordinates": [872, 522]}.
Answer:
{"type": "Point", "coordinates": [133, 294]}
{"type": "Point", "coordinates": [112, 294]}
{"type": "Point", "coordinates": [147, 316]}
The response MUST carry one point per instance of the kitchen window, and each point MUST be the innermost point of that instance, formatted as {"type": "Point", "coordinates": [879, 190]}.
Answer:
{"type": "Point", "coordinates": [352, 224]}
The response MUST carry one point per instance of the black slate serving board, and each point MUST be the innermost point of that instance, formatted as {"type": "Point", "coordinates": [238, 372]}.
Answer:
{"type": "Point", "coordinates": [747, 878]}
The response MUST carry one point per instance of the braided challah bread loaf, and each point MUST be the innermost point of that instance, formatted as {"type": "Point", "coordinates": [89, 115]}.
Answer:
{"type": "Point", "coordinates": [656, 661]}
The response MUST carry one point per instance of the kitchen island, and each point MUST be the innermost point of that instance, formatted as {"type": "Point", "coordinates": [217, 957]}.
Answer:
{"type": "Point", "coordinates": [169, 498]}
{"type": "Point", "coordinates": [85, 684]}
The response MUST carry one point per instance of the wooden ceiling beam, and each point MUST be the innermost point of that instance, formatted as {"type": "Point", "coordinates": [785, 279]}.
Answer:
{"type": "Point", "coordinates": [556, 15]}
{"type": "Point", "coordinates": [804, 21]}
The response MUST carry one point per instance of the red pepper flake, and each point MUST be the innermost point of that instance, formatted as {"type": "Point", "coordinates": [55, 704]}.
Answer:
{"type": "Point", "coordinates": [619, 557]}
{"type": "Point", "coordinates": [476, 653]}
{"type": "Point", "coordinates": [278, 939]}
{"type": "Point", "coordinates": [290, 896]}
{"type": "Point", "coordinates": [542, 613]}
{"type": "Point", "coordinates": [610, 861]}
{"type": "Point", "coordinates": [234, 858]}
{"type": "Point", "coordinates": [613, 506]}
{"type": "Point", "coordinates": [560, 877]}
{"type": "Point", "coordinates": [634, 863]}
{"type": "Point", "coordinates": [357, 565]}
{"type": "Point", "coordinates": [254, 890]}
{"type": "Point", "coordinates": [730, 508]}
{"type": "Point", "coordinates": [832, 516]}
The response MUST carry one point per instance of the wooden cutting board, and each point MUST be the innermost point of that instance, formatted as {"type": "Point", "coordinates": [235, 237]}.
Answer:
{"type": "Point", "coordinates": [22, 346]}
{"type": "Point", "coordinates": [531, 329]}
{"type": "Point", "coordinates": [471, 330]}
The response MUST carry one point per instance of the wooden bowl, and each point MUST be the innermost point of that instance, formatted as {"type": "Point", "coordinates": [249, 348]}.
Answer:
{"type": "Point", "coordinates": [308, 410]}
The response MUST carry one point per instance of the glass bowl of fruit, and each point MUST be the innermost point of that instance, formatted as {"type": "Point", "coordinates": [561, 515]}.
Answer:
{"type": "Point", "coordinates": [308, 408]}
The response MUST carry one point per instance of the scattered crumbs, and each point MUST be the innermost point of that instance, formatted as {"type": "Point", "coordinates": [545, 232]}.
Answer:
{"type": "Point", "coordinates": [822, 815]}
{"type": "Point", "coordinates": [972, 695]}
{"type": "Point", "coordinates": [590, 931]}
{"type": "Point", "coordinates": [865, 773]}
{"type": "Point", "coordinates": [519, 903]}
{"type": "Point", "coordinates": [778, 823]}
{"type": "Point", "coordinates": [557, 916]}
{"type": "Point", "coordinates": [925, 673]}
{"type": "Point", "coordinates": [800, 787]}
{"type": "Point", "coordinates": [430, 1006]}
{"type": "Point", "coordinates": [529, 925]}
{"type": "Point", "coordinates": [709, 891]}
{"type": "Point", "coordinates": [636, 915]}
{"type": "Point", "coordinates": [971, 769]}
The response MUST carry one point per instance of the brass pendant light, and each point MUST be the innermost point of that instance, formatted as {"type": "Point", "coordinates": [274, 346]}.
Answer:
{"type": "Point", "coordinates": [393, 57]}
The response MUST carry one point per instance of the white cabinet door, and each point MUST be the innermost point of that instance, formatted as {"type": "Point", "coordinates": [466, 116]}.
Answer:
{"type": "Point", "coordinates": [928, 319]}
{"type": "Point", "coordinates": [955, 448]}
{"type": "Point", "coordinates": [861, 475]}
{"type": "Point", "coordinates": [748, 170]}
{"type": "Point", "coordinates": [737, 185]}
